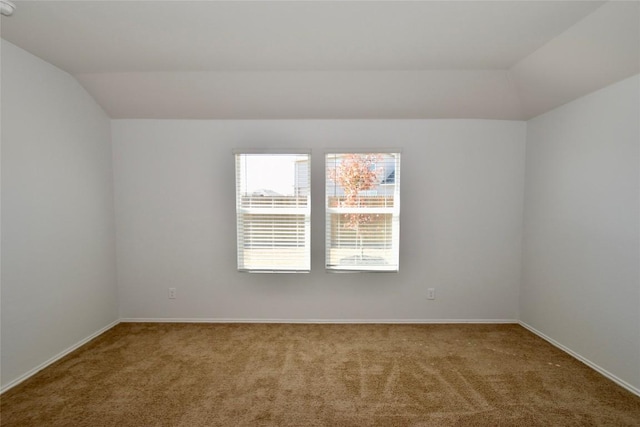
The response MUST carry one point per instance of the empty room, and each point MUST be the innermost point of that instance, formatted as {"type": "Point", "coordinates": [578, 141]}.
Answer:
{"type": "Point", "coordinates": [320, 213]}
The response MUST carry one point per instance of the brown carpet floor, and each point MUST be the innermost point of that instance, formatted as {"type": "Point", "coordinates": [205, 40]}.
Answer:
{"type": "Point", "coordinates": [141, 374]}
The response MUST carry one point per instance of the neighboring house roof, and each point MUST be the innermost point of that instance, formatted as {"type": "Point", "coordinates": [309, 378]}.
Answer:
{"type": "Point", "coordinates": [265, 192]}
{"type": "Point", "coordinates": [390, 179]}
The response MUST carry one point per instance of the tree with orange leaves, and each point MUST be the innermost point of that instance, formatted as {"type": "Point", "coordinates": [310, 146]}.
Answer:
{"type": "Point", "coordinates": [356, 173]}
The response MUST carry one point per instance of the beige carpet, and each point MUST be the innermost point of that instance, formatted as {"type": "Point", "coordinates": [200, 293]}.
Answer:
{"type": "Point", "coordinates": [318, 375]}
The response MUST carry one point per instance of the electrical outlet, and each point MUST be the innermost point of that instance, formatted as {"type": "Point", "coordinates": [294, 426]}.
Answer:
{"type": "Point", "coordinates": [431, 293]}
{"type": "Point", "coordinates": [172, 293]}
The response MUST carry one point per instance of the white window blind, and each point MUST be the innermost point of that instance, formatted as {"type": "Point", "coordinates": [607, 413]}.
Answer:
{"type": "Point", "coordinates": [362, 211]}
{"type": "Point", "coordinates": [273, 208]}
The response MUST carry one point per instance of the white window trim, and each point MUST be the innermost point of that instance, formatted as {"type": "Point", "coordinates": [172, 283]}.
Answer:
{"type": "Point", "coordinates": [243, 210]}
{"type": "Point", "coordinates": [394, 211]}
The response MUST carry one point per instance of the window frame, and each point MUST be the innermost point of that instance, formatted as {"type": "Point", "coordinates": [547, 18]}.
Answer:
{"type": "Point", "coordinates": [393, 211]}
{"type": "Point", "coordinates": [242, 210]}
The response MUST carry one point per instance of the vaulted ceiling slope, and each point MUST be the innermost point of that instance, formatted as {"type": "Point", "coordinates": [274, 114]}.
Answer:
{"type": "Point", "coordinates": [332, 59]}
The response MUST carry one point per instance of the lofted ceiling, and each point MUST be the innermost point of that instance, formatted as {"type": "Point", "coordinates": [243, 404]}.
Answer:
{"type": "Point", "coordinates": [332, 59]}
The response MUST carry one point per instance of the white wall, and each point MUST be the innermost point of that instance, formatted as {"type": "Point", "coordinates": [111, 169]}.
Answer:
{"type": "Point", "coordinates": [461, 221]}
{"type": "Point", "coordinates": [581, 282]}
{"type": "Point", "coordinates": [58, 235]}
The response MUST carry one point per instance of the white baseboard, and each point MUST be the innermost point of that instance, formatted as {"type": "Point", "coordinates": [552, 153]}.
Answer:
{"type": "Point", "coordinates": [314, 321]}
{"type": "Point", "coordinates": [57, 357]}
{"type": "Point", "coordinates": [583, 359]}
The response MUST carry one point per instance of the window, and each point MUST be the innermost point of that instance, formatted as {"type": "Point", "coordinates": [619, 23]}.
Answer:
{"type": "Point", "coordinates": [362, 211]}
{"type": "Point", "coordinates": [273, 209]}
